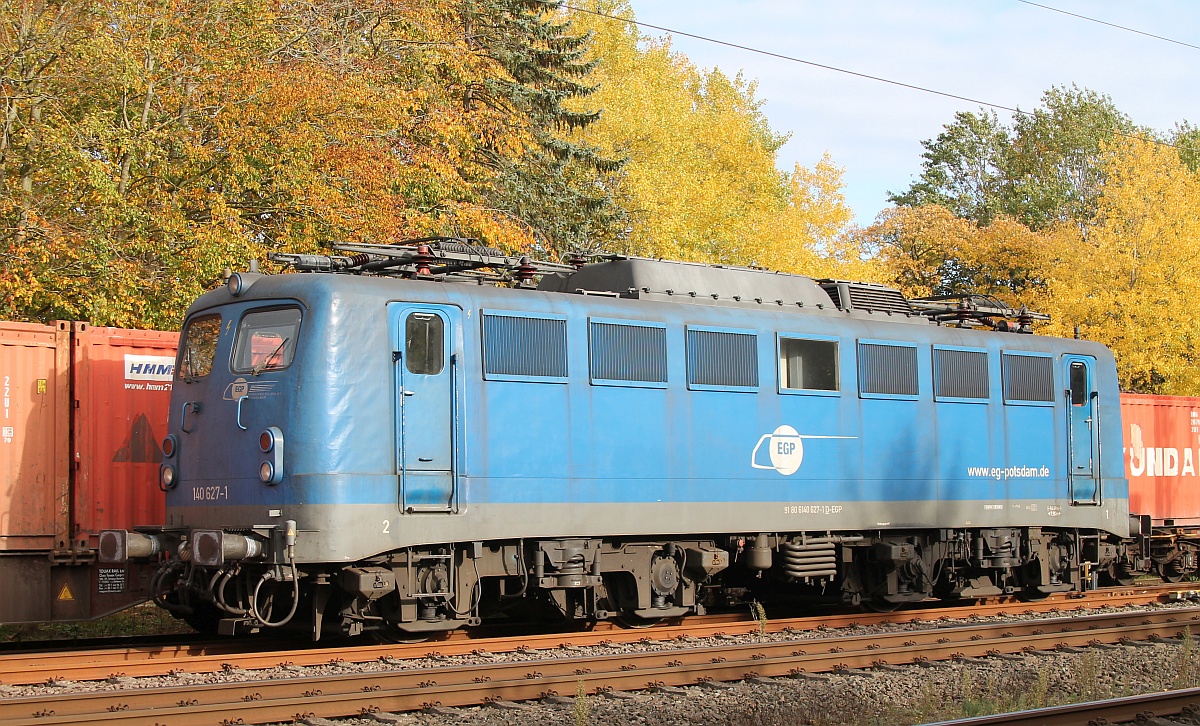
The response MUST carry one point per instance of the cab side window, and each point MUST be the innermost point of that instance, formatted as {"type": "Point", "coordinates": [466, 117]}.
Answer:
{"type": "Point", "coordinates": [199, 347]}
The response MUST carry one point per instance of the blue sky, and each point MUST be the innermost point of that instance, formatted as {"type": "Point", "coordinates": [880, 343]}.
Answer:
{"type": "Point", "coordinates": [1000, 51]}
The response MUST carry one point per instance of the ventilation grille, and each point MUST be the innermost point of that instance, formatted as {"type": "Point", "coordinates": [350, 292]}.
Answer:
{"type": "Point", "coordinates": [727, 360]}
{"type": "Point", "coordinates": [887, 369]}
{"type": "Point", "coordinates": [1028, 378]}
{"type": "Point", "coordinates": [628, 352]}
{"type": "Point", "coordinates": [961, 373]}
{"type": "Point", "coordinates": [517, 346]}
{"type": "Point", "coordinates": [865, 296]}
{"type": "Point", "coordinates": [882, 299]}
{"type": "Point", "coordinates": [835, 294]}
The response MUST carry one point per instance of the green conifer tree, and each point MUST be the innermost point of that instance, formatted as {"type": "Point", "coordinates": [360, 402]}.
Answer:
{"type": "Point", "coordinates": [561, 189]}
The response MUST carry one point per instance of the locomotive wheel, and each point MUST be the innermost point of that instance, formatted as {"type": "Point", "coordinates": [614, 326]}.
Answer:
{"type": "Point", "coordinates": [1118, 575]}
{"type": "Point", "coordinates": [1170, 572]}
{"type": "Point", "coordinates": [204, 618]}
{"type": "Point", "coordinates": [879, 605]}
{"type": "Point", "coordinates": [388, 635]}
{"type": "Point", "coordinates": [636, 622]}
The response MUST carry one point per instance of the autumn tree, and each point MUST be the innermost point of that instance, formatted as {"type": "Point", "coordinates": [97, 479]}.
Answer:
{"type": "Point", "coordinates": [700, 181]}
{"type": "Point", "coordinates": [151, 144]}
{"type": "Point", "coordinates": [1042, 170]}
{"type": "Point", "coordinates": [928, 250]}
{"type": "Point", "coordinates": [1186, 139]}
{"type": "Point", "coordinates": [1131, 283]}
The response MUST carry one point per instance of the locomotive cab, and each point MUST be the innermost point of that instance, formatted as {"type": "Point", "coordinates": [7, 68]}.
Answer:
{"type": "Point", "coordinates": [225, 463]}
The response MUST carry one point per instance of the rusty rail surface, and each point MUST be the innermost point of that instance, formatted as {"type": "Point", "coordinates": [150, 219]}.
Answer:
{"type": "Point", "coordinates": [354, 691]}
{"type": "Point", "coordinates": [252, 653]}
{"type": "Point", "coordinates": [1142, 709]}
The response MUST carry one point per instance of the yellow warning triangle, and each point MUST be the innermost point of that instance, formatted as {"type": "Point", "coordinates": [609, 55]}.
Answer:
{"type": "Point", "coordinates": [65, 593]}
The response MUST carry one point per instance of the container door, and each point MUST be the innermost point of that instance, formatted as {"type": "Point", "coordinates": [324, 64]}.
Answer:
{"type": "Point", "coordinates": [1083, 465]}
{"type": "Point", "coordinates": [425, 405]}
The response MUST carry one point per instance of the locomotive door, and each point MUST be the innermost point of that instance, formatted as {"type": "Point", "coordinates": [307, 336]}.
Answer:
{"type": "Point", "coordinates": [425, 367]}
{"type": "Point", "coordinates": [1083, 465]}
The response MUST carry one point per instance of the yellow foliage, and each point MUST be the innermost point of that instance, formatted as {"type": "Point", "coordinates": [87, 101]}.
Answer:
{"type": "Point", "coordinates": [700, 176]}
{"type": "Point", "coordinates": [928, 251]}
{"type": "Point", "coordinates": [1130, 279]}
{"type": "Point", "coordinates": [151, 143]}
{"type": "Point", "coordinates": [1127, 279]}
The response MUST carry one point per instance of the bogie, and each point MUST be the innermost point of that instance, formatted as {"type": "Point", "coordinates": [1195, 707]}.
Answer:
{"type": "Point", "coordinates": [419, 593]}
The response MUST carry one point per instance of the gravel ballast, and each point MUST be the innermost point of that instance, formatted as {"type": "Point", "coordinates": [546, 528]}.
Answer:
{"type": "Point", "coordinates": [893, 695]}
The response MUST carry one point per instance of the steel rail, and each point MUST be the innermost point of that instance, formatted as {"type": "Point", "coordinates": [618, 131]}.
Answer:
{"type": "Point", "coordinates": [1129, 709]}
{"type": "Point", "coordinates": [355, 692]}
{"type": "Point", "coordinates": [26, 669]}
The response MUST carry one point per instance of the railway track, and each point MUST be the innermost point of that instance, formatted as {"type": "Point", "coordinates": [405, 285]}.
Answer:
{"type": "Point", "coordinates": [252, 654]}
{"type": "Point", "coordinates": [355, 689]}
{"type": "Point", "coordinates": [1152, 709]}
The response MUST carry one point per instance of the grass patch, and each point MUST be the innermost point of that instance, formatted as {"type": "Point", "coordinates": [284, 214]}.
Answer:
{"type": "Point", "coordinates": [144, 619]}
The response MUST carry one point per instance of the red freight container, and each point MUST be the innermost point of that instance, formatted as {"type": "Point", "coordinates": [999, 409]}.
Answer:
{"type": "Point", "coordinates": [83, 411]}
{"type": "Point", "coordinates": [34, 436]}
{"type": "Point", "coordinates": [123, 388]}
{"type": "Point", "coordinates": [1162, 456]}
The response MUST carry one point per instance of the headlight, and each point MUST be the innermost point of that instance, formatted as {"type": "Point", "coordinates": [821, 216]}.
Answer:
{"type": "Point", "coordinates": [166, 475]}
{"type": "Point", "coordinates": [236, 285]}
{"type": "Point", "coordinates": [266, 472]}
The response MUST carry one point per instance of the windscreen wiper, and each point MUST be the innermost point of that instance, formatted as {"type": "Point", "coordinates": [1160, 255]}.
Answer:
{"type": "Point", "coordinates": [263, 363]}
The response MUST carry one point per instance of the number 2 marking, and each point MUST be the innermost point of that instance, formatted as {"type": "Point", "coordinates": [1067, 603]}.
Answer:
{"type": "Point", "coordinates": [387, 525]}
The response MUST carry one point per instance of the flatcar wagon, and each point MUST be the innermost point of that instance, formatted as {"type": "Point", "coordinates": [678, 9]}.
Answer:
{"type": "Point", "coordinates": [393, 443]}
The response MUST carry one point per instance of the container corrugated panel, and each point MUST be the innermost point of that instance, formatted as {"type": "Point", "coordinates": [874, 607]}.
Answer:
{"type": "Point", "coordinates": [1162, 456]}
{"type": "Point", "coordinates": [123, 391]}
{"type": "Point", "coordinates": [34, 435]}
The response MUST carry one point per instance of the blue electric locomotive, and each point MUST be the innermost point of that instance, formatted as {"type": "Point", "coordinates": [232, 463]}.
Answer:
{"type": "Point", "coordinates": [372, 447]}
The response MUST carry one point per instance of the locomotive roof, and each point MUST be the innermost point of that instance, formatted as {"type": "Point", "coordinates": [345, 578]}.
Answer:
{"type": "Point", "coordinates": [637, 277]}
{"type": "Point", "coordinates": [462, 260]}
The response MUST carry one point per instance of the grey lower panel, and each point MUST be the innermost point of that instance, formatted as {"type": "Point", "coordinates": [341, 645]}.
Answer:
{"type": "Point", "coordinates": [348, 532]}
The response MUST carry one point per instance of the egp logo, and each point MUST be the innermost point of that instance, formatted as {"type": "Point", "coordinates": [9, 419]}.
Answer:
{"type": "Point", "coordinates": [785, 446]}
